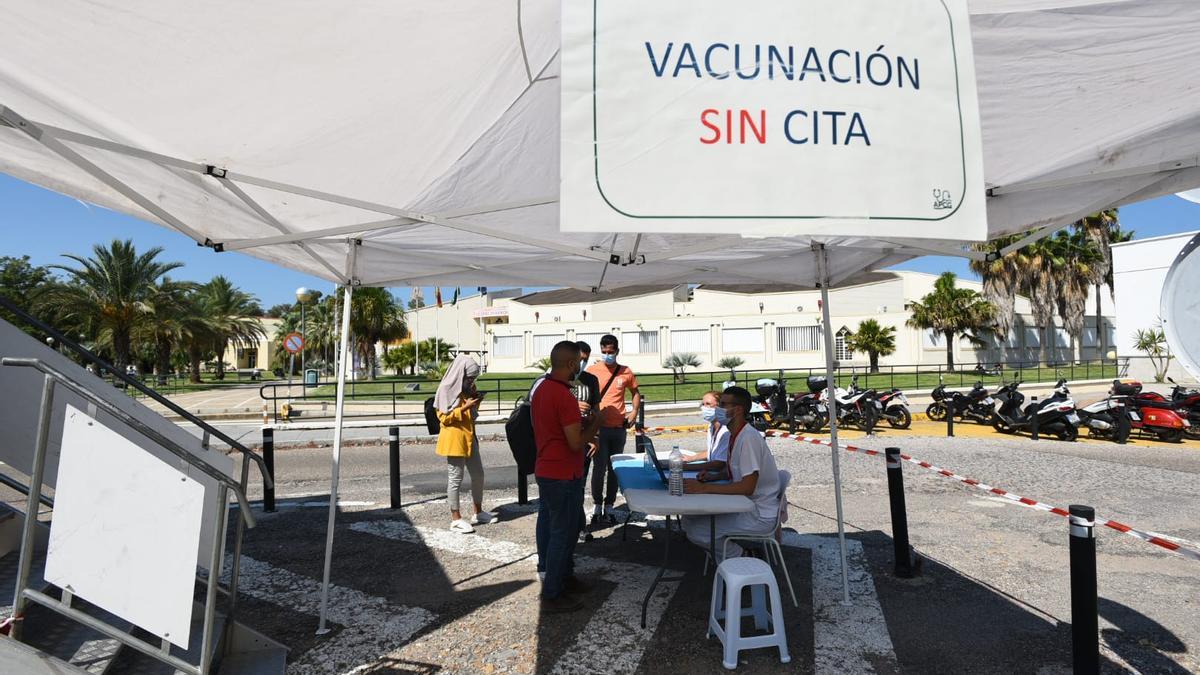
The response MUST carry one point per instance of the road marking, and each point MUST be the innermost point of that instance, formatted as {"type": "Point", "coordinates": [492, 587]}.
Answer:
{"type": "Point", "coordinates": [846, 638]}
{"type": "Point", "coordinates": [372, 626]}
{"type": "Point", "coordinates": [612, 641]}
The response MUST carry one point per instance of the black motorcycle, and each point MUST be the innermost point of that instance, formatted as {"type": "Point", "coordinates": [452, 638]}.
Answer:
{"type": "Point", "coordinates": [1054, 416]}
{"type": "Point", "coordinates": [977, 404]}
{"type": "Point", "coordinates": [771, 407]}
{"type": "Point", "coordinates": [808, 411]}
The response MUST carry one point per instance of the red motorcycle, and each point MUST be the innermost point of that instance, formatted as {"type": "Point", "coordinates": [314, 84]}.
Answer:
{"type": "Point", "coordinates": [1151, 413]}
{"type": "Point", "coordinates": [1188, 400]}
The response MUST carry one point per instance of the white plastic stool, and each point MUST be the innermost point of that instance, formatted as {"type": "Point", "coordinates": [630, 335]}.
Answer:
{"type": "Point", "coordinates": [732, 576]}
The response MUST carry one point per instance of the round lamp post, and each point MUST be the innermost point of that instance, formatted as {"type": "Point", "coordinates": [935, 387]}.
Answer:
{"type": "Point", "coordinates": [303, 295]}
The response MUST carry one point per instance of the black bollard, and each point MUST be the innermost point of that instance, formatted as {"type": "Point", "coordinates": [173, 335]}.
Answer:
{"type": "Point", "coordinates": [268, 450]}
{"type": "Point", "coordinates": [907, 562]}
{"type": "Point", "coordinates": [1085, 624]}
{"type": "Point", "coordinates": [1033, 424]}
{"type": "Point", "coordinates": [394, 465]}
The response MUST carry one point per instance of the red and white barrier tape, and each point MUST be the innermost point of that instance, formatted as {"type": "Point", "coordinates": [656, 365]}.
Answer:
{"type": "Point", "coordinates": [1149, 537]}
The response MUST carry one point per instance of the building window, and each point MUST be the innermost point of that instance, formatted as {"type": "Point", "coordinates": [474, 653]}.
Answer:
{"type": "Point", "coordinates": [694, 341]}
{"type": "Point", "coordinates": [1033, 336]}
{"type": "Point", "coordinates": [840, 351]}
{"type": "Point", "coordinates": [798, 338]}
{"type": "Point", "coordinates": [932, 339]}
{"type": "Point", "coordinates": [735, 340]}
{"type": "Point", "coordinates": [542, 344]}
{"type": "Point", "coordinates": [593, 340]}
{"type": "Point", "coordinates": [639, 342]}
{"type": "Point", "coordinates": [508, 346]}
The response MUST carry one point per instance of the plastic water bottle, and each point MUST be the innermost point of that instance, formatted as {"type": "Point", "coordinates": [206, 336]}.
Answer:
{"type": "Point", "coordinates": [675, 480]}
{"type": "Point", "coordinates": [648, 460]}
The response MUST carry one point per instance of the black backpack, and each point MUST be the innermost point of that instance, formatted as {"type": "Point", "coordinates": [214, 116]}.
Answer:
{"type": "Point", "coordinates": [431, 418]}
{"type": "Point", "coordinates": [519, 430]}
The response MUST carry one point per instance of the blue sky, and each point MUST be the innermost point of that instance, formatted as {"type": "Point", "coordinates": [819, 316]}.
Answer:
{"type": "Point", "coordinates": [44, 225]}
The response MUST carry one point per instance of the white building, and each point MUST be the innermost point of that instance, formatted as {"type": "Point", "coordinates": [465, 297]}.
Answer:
{"type": "Point", "coordinates": [767, 327]}
{"type": "Point", "coordinates": [1139, 269]}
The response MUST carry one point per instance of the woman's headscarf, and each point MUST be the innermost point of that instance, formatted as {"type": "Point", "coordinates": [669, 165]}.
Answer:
{"type": "Point", "coordinates": [462, 369]}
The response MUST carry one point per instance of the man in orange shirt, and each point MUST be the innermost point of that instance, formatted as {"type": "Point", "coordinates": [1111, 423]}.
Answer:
{"type": "Point", "coordinates": [614, 380]}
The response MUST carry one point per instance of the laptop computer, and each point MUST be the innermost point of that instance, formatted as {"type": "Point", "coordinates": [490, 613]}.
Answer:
{"type": "Point", "coordinates": [644, 444]}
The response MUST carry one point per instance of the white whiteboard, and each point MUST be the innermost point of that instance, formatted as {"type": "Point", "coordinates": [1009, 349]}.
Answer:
{"type": "Point", "coordinates": [126, 529]}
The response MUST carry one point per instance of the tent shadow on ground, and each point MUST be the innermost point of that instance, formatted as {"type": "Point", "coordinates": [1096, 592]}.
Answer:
{"type": "Point", "coordinates": [402, 573]}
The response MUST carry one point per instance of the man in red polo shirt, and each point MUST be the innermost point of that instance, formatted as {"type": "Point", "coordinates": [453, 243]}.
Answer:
{"type": "Point", "coordinates": [562, 435]}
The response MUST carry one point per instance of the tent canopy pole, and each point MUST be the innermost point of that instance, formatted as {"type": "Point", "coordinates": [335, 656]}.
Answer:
{"type": "Point", "coordinates": [342, 365]}
{"type": "Point", "coordinates": [831, 387]}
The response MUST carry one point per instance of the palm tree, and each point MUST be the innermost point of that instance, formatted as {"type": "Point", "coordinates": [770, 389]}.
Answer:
{"type": "Point", "coordinates": [731, 363]}
{"type": "Point", "coordinates": [167, 317]}
{"type": "Point", "coordinates": [951, 311]}
{"type": "Point", "coordinates": [198, 332]}
{"type": "Point", "coordinates": [873, 339]}
{"type": "Point", "coordinates": [107, 292]}
{"type": "Point", "coordinates": [1083, 266]}
{"type": "Point", "coordinates": [231, 313]}
{"type": "Point", "coordinates": [375, 317]}
{"type": "Point", "coordinates": [1002, 278]}
{"type": "Point", "coordinates": [679, 362]}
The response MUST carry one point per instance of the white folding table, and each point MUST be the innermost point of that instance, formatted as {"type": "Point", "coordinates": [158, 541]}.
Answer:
{"type": "Point", "coordinates": [662, 503]}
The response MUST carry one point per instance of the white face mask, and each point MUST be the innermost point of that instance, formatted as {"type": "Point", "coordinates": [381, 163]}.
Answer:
{"type": "Point", "coordinates": [721, 416]}
{"type": "Point", "coordinates": [707, 414]}
{"type": "Point", "coordinates": [582, 365]}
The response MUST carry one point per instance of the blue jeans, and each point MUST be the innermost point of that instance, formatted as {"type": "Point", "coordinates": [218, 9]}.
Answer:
{"type": "Point", "coordinates": [559, 504]}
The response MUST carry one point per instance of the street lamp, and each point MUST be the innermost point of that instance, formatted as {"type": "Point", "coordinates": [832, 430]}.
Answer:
{"type": "Point", "coordinates": [303, 295]}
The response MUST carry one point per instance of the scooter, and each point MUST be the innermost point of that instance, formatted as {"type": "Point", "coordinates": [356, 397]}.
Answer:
{"type": "Point", "coordinates": [1188, 399]}
{"type": "Point", "coordinates": [1054, 416]}
{"type": "Point", "coordinates": [895, 409]}
{"type": "Point", "coordinates": [1109, 418]}
{"type": "Point", "coordinates": [771, 407]}
{"type": "Point", "coordinates": [1151, 414]}
{"type": "Point", "coordinates": [809, 410]}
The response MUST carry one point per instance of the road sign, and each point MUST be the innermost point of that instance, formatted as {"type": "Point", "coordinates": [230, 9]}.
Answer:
{"type": "Point", "coordinates": [293, 342]}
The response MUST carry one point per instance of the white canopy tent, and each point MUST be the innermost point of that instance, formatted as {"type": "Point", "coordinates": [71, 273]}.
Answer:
{"type": "Point", "coordinates": [427, 133]}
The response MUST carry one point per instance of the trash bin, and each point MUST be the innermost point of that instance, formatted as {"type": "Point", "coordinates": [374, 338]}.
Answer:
{"type": "Point", "coordinates": [310, 377]}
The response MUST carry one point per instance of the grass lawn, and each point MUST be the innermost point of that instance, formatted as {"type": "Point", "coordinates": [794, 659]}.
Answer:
{"type": "Point", "coordinates": [658, 388]}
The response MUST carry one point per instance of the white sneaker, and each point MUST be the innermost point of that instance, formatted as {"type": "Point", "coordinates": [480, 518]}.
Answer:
{"type": "Point", "coordinates": [461, 526]}
{"type": "Point", "coordinates": [482, 518]}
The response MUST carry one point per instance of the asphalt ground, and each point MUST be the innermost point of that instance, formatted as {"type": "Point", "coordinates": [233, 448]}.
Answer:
{"type": "Point", "coordinates": [993, 597]}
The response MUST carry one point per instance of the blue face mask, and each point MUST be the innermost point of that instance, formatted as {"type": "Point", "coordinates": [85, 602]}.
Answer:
{"type": "Point", "coordinates": [707, 414]}
{"type": "Point", "coordinates": [582, 365]}
{"type": "Point", "coordinates": [720, 416]}
{"type": "Point", "coordinates": [610, 359]}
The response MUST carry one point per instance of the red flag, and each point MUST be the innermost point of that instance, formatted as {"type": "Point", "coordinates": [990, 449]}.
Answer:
{"type": "Point", "coordinates": [437, 294]}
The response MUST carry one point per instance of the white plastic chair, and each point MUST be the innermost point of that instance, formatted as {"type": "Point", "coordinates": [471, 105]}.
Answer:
{"type": "Point", "coordinates": [726, 611]}
{"type": "Point", "coordinates": [770, 541]}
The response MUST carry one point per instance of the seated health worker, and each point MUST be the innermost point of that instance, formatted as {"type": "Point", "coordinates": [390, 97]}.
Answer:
{"type": "Point", "coordinates": [752, 472]}
{"type": "Point", "coordinates": [712, 462]}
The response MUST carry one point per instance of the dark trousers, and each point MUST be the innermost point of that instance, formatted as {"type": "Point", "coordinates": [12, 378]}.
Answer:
{"type": "Point", "coordinates": [559, 505]}
{"type": "Point", "coordinates": [611, 441]}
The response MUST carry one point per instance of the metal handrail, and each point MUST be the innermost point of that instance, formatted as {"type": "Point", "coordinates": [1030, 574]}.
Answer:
{"type": "Point", "coordinates": [24, 489]}
{"type": "Point", "coordinates": [139, 426]}
{"type": "Point", "coordinates": [268, 480]}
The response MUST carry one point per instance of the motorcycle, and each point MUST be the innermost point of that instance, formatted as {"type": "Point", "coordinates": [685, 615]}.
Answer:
{"type": "Point", "coordinates": [1054, 416]}
{"type": "Point", "coordinates": [977, 404]}
{"type": "Point", "coordinates": [1151, 414]}
{"type": "Point", "coordinates": [895, 409]}
{"type": "Point", "coordinates": [771, 407]}
{"type": "Point", "coordinates": [1188, 399]}
{"type": "Point", "coordinates": [1109, 418]}
{"type": "Point", "coordinates": [854, 406]}
{"type": "Point", "coordinates": [809, 410]}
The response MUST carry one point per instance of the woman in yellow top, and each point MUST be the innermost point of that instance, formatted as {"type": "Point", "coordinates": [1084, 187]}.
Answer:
{"type": "Point", "coordinates": [457, 405]}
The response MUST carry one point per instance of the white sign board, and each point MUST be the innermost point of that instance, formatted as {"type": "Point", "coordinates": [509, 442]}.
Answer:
{"type": "Point", "coordinates": [768, 118]}
{"type": "Point", "coordinates": [126, 529]}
